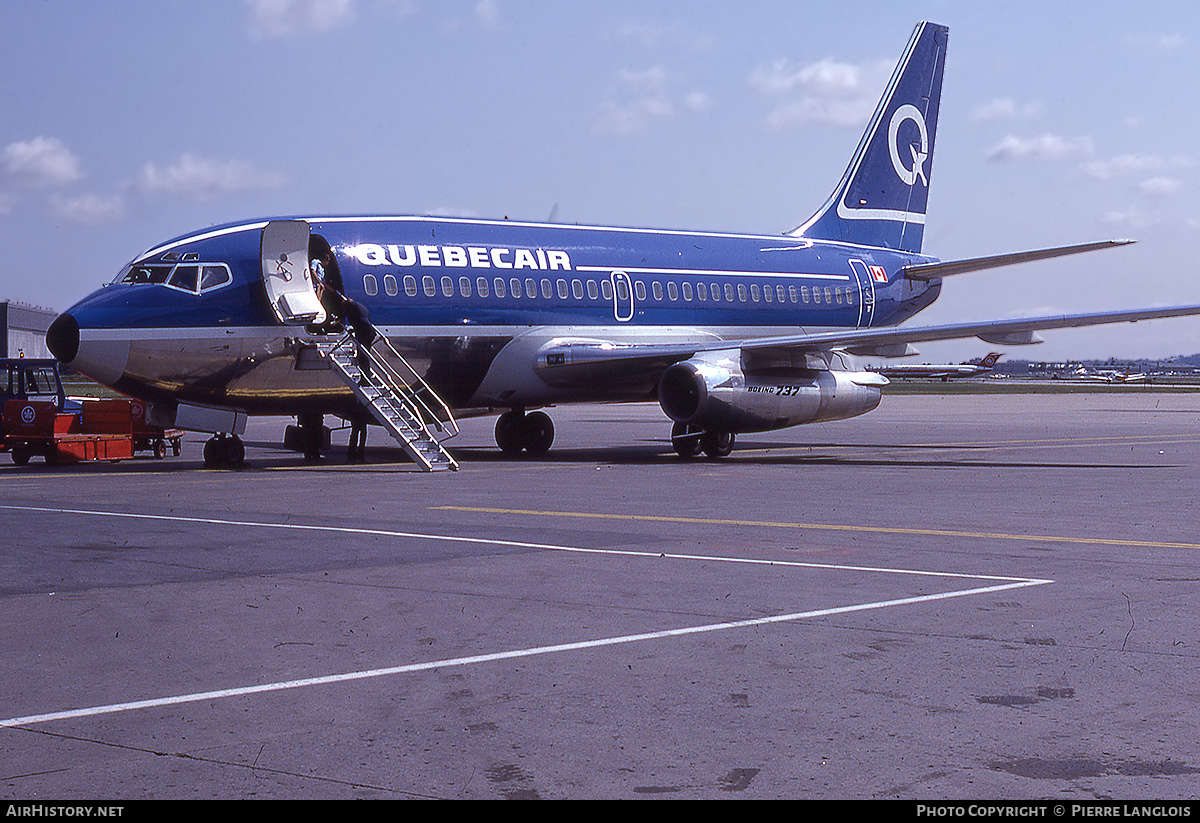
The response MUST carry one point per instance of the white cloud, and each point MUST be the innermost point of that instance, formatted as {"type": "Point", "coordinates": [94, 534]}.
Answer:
{"type": "Point", "coordinates": [1124, 164]}
{"type": "Point", "coordinates": [1045, 147]}
{"type": "Point", "coordinates": [644, 99]}
{"type": "Point", "coordinates": [201, 178]}
{"type": "Point", "coordinates": [657, 35]}
{"type": "Point", "coordinates": [1160, 186]}
{"type": "Point", "coordinates": [89, 209]}
{"type": "Point", "coordinates": [1130, 219]}
{"type": "Point", "coordinates": [1004, 108]}
{"type": "Point", "coordinates": [487, 13]}
{"type": "Point", "coordinates": [296, 18]}
{"type": "Point", "coordinates": [42, 162]}
{"type": "Point", "coordinates": [814, 110]}
{"type": "Point", "coordinates": [1158, 42]}
{"type": "Point", "coordinates": [827, 91]}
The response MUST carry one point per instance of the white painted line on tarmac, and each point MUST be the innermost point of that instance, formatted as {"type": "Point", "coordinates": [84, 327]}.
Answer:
{"type": "Point", "coordinates": [997, 584]}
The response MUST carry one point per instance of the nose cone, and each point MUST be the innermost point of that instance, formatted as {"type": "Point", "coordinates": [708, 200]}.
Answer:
{"type": "Point", "coordinates": [62, 338]}
{"type": "Point", "coordinates": [97, 353]}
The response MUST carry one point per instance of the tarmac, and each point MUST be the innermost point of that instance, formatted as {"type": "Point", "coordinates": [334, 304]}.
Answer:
{"type": "Point", "coordinates": [954, 597]}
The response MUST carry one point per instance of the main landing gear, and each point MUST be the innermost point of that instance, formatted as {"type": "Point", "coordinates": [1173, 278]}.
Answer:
{"type": "Point", "coordinates": [690, 441]}
{"type": "Point", "coordinates": [224, 450]}
{"type": "Point", "coordinates": [517, 431]}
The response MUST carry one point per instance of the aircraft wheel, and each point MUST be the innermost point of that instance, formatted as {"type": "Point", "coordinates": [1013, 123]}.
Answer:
{"type": "Point", "coordinates": [538, 432]}
{"type": "Point", "coordinates": [235, 451]}
{"type": "Point", "coordinates": [509, 429]}
{"type": "Point", "coordinates": [216, 451]}
{"type": "Point", "coordinates": [224, 450]}
{"type": "Point", "coordinates": [717, 444]}
{"type": "Point", "coordinates": [21, 455]}
{"type": "Point", "coordinates": [685, 439]}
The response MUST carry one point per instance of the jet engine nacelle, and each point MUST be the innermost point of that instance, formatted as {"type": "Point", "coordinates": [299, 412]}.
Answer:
{"type": "Point", "coordinates": [721, 397]}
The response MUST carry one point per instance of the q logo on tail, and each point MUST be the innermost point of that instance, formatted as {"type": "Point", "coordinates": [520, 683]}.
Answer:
{"type": "Point", "coordinates": [907, 175]}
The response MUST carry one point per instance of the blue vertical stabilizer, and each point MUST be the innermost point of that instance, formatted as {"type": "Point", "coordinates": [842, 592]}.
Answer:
{"type": "Point", "coordinates": [882, 196]}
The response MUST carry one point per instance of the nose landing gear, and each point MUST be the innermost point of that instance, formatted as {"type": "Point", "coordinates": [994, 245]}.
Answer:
{"type": "Point", "coordinates": [224, 450]}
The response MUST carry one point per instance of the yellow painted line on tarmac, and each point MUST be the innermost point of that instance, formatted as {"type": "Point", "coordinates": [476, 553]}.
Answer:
{"type": "Point", "coordinates": [833, 527]}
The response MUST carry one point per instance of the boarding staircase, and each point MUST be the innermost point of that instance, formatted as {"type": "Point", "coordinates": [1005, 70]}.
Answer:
{"type": "Point", "coordinates": [398, 399]}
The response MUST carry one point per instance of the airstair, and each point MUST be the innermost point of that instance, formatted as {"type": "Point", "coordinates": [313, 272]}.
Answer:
{"type": "Point", "coordinates": [403, 404]}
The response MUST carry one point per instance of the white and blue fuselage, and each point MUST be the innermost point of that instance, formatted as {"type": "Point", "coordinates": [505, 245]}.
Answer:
{"type": "Point", "coordinates": [468, 302]}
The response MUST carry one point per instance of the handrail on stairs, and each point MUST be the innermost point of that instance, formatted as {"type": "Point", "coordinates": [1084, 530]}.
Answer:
{"type": "Point", "coordinates": [424, 402]}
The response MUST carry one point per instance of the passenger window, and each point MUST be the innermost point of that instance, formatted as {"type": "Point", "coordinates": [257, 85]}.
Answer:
{"type": "Point", "coordinates": [687, 291]}
{"type": "Point", "coordinates": [742, 292]}
{"type": "Point", "coordinates": [447, 287]}
{"type": "Point", "coordinates": [563, 293]}
{"type": "Point", "coordinates": [481, 286]}
{"type": "Point", "coordinates": [390, 285]}
{"type": "Point", "coordinates": [828, 296]}
{"type": "Point", "coordinates": [755, 294]}
{"type": "Point", "coordinates": [658, 292]}
{"type": "Point", "coordinates": [577, 289]}
{"type": "Point", "coordinates": [370, 284]}
{"type": "Point", "coordinates": [804, 293]}
{"type": "Point", "coordinates": [410, 285]}
{"type": "Point", "coordinates": [623, 290]}
{"type": "Point", "coordinates": [547, 289]}
{"type": "Point", "coordinates": [716, 292]}
{"type": "Point", "coordinates": [429, 286]}
{"type": "Point", "coordinates": [701, 291]}
{"type": "Point", "coordinates": [514, 287]}
{"type": "Point", "coordinates": [464, 286]}
{"type": "Point", "coordinates": [792, 293]}
{"type": "Point", "coordinates": [672, 290]}
{"type": "Point", "coordinates": [530, 288]}
{"type": "Point", "coordinates": [498, 285]}
{"type": "Point", "coordinates": [606, 289]}
{"type": "Point", "coordinates": [768, 294]}
{"type": "Point", "coordinates": [779, 293]}
{"type": "Point", "coordinates": [639, 288]}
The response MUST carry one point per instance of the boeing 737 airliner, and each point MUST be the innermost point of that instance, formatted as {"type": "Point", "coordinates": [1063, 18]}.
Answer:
{"type": "Point", "coordinates": [731, 333]}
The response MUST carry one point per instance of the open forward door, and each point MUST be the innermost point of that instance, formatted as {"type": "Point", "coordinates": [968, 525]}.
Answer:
{"type": "Point", "coordinates": [286, 275]}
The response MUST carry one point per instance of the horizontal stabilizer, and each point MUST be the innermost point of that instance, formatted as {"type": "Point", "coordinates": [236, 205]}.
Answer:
{"type": "Point", "coordinates": [932, 271]}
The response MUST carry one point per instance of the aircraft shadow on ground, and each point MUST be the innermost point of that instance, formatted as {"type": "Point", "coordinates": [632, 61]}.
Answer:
{"type": "Point", "coordinates": [384, 457]}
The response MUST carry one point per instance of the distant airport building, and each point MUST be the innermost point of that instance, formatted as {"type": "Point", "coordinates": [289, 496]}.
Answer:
{"type": "Point", "coordinates": [24, 330]}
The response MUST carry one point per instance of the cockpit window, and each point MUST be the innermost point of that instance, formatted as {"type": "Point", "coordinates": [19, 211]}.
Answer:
{"type": "Point", "coordinates": [194, 278]}
{"type": "Point", "coordinates": [184, 278]}
{"type": "Point", "coordinates": [213, 276]}
{"type": "Point", "coordinates": [146, 274]}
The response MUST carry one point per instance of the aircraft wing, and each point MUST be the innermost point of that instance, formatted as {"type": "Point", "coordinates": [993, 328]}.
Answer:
{"type": "Point", "coordinates": [1006, 332]}
{"type": "Point", "coordinates": [564, 361]}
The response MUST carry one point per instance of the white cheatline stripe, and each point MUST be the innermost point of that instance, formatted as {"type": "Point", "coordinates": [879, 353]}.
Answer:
{"type": "Point", "coordinates": [1007, 583]}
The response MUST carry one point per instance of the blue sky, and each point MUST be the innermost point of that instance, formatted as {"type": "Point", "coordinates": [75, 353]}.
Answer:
{"type": "Point", "coordinates": [125, 123]}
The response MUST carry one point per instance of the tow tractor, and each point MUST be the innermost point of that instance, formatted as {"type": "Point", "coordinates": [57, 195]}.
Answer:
{"type": "Point", "coordinates": [39, 419]}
